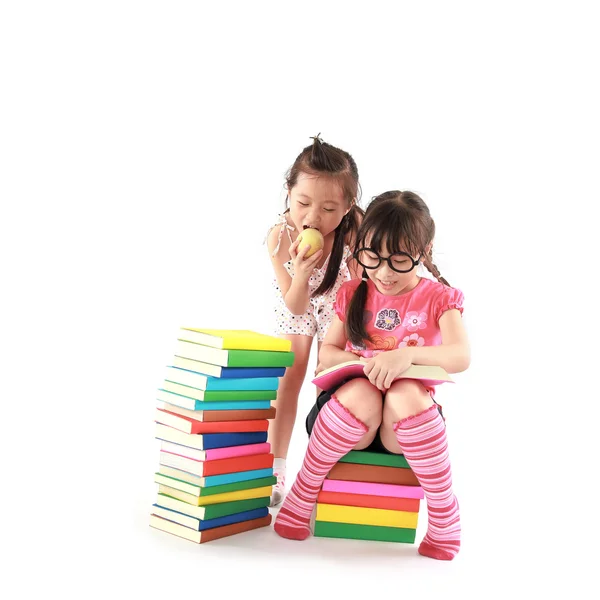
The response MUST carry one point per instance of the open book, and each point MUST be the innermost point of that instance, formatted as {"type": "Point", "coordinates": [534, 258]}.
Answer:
{"type": "Point", "coordinates": [428, 375]}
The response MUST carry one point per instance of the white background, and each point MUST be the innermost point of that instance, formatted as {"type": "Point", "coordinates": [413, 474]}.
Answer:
{"type": "Point", "coordinates": [143, 148]}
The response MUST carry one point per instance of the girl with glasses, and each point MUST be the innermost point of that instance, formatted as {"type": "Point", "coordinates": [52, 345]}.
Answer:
{"type": "Point", "coordinates": [391, 318]}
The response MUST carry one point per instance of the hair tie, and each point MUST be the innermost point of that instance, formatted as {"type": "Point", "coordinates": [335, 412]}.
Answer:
{"type": "Point", "coordinates": [365, 278]}
{"type": "Point", "coordinates": [317, 138]}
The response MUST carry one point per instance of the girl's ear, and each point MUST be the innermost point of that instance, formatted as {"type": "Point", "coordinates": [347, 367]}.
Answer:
{"type": "Point", "coordinates": [352, 205]}
{"type": "Point", "coordinates": [428, 249]}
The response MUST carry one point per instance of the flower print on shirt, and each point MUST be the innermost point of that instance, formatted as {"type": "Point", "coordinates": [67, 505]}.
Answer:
{"type": "Point", "coordinates": [414, 339]}
{"type": "Point", "coordinates": [383, 344]}
{"type": "Point", "coordinates": [388, 319]}
{"type": "Point", "coordinates": [414, 321]}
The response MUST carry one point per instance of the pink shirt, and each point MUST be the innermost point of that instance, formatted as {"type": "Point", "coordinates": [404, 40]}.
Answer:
{"type": "Point", "coordinates": [411, 319]}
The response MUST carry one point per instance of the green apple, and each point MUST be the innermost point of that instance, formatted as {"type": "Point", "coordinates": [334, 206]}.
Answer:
{"type": "Point", "coordinates": [310, 237]}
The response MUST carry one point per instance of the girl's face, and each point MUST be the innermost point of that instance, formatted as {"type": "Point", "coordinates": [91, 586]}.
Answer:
{"type": "Point", "coordinates": [317, 202]}
{"type": "Point", "coordinates": [387, 281]}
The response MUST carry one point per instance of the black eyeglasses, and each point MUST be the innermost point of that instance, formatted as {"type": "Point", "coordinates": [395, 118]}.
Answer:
{"type": "Point", "coordinates": [401, 262]}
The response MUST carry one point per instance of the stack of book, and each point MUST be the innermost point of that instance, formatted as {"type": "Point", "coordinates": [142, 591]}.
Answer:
{"type": "Point", "coordinates": [369, 496]}
{"type": "Point", "coordinates": [215, 476]}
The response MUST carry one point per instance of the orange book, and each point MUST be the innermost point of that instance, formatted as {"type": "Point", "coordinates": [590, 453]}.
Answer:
{"type": "Point", "coordinates": [343, 499]}
{"type": "Point", "coordinates": [208, 534]}
{"type": "Point", "coordinates": [216, 467]}
{"type": "Point", "coordinates": [372, 474]}
{"type": "Point", "coordinates": [206, 416]}
{"type": "Point", "coordinates": [189, 425]}
{"type": "Point", "coordinates": [237, 415]}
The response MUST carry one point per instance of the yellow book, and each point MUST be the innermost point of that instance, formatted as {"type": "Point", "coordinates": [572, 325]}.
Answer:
{"type": "Point", "coordinates": [366, 516]}
{"type": "Point", "coordinates": [260, 492]}
{"type": "Point", "coordinates": [234, 339]}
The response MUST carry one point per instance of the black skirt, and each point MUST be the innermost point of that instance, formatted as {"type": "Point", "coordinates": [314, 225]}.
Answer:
{"type": "Point", "coordinates": [324, 397]}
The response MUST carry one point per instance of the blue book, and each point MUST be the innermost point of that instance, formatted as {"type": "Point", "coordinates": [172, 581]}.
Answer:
{"type": "Point", "coordinates": [191, 404]}
{"type": "Point", "coordinates": [203, 524]}
{"type": "Point", "coordinates": [209, 383]}
{"type": "Point", "coordinates": [213, 480]}
{"type": "Point", "coordinates": [235, 372]}
{"type": "Point", "coordinates": [222, 440]}
{"type": "Point", "coordinates": [226, 372]}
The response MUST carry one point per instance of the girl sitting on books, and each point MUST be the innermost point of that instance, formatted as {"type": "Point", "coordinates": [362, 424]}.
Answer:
{"type": "Point", "coordinates": [392, 318]}
{"type": "Point", "coordinates": [323, 188]}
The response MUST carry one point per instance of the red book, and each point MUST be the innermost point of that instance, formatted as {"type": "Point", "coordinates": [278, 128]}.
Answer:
{"type": "Point", "coordinates": [343, 499]}
{"type": "Point", "coordinates": [189, 425]}
{"type": "Point", "coordinates": [216, 467]}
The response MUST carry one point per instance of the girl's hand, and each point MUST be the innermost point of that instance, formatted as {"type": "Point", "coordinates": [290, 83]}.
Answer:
{"type": "Point", "coordinates": [303, 267]}
{"type": "Point", "coordinates": [386, 366]}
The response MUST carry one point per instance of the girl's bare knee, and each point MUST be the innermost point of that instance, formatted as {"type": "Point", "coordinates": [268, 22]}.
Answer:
{"type": "Point", "coordinates": [363, 400]}
{"type": "Point", "coordinates": [405, 398]}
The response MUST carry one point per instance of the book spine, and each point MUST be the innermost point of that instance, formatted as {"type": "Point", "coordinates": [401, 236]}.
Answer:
{"type": "Point", "coordinates": [366, 501]}
{"type": "Point", "coordinates": [237, 465]}
{"type": "Point", "coordinates": [373, 474]}
{"type": "Point", "coordinates": [374, 489]}
{"type": "Point", "coordinates": [234, 451]}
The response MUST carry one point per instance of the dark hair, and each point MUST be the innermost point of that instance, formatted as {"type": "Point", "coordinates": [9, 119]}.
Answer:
{"type": "Point", "coordinates": [322, 158]}
{"type": "Point", "coordinates": [402, 221]}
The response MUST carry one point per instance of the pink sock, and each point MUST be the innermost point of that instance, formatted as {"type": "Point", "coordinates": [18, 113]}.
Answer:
{"type": "Point", "coordinates": [423, 441]}
{"type": "Point", "coordinates": [335, 432]}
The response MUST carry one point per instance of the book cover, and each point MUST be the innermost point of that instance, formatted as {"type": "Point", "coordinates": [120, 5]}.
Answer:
{"type": "Point", "coordinates": [216, 453]}
{"type": "Point", "coordinates": [218, 395]}
{"type": "Point", "coordinates": [208, 441]}
{"type": "Point", "coordinates": [372, 474]}
{"type": "Point", "coordinates": [262, 492]}
{"type": "Point", "coordinates": [206, 416]}
{"type": "Point", "coordinates": [226, 372]}
{"type": "Point", "coordinates": [201, 537]}
{"type": "Point", "coordinates": [195, 490]}
{"type": "Point", "coordinates": [233, 358]}
{"type": "Point", "coordinates": [375, 458]}
{"type": "Point", "coordinates": [209, 383]}
{"type": "Point", "coordinates": [217, 467]}
{"type": "Point", "coordinates": [367, 516]}
{"type": "Point", "coordinates": [215, 480]}
{"type": "Point", "coordinates": [389, 503]}
{"type": "Point", "coordinates": [364, 532]}
{"type": "Point", "coordinates": [206, 523]}
{"type": "Point", "coordinates": [192, 404]}
{"type": "Point", "coordinates": [373, 489]}
{"type": "Point", "coordinates": [212, 511]}
{"type": "Point", "coordinates": [330, 377]}
{"type": "Point", "coordinates": [191, 426]}
{"type": "Point", "coordinates": [235, 339]}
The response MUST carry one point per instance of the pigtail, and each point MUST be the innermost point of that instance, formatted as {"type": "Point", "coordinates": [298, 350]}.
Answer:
{"type": "Point", "coordinates": [431, 267]}
{"type": "Point", "coordinates": [348, 227]}
{"type": "Point", "coordinates": [356, 331]}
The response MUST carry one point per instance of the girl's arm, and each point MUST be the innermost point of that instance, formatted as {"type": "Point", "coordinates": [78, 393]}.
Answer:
{"type": "Point", "coordinates": [332, 350]}
{"type": "Point", "coordinates": [453, 354]}
{"type": "Point", "coordinates": [294, 298]}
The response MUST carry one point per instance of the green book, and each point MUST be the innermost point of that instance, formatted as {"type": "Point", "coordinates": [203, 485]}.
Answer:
{"type": "Point", "coordinates": [233, 358]}
{"type": "Point", "coordinates": [212, 511]}
{"type": "Point", "coordinates": [190, 488]}
{"type": "Point", "coordinates": [365, 532]}
{"type": "Point", "coordinates": [360, 457]}
{"type": "Point", "coordinates": [216, 396]}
